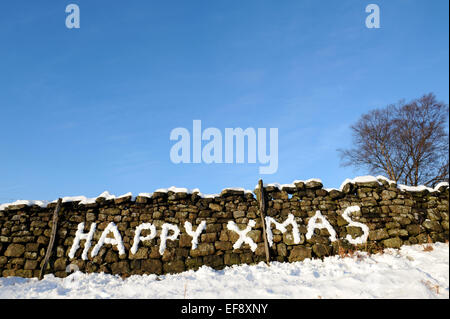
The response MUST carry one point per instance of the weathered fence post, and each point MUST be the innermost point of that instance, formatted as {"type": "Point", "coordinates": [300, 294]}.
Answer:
{"type": "Point", "coordinates": [48, 253]}
{"type": "Point", "coordinates": [262, 210]}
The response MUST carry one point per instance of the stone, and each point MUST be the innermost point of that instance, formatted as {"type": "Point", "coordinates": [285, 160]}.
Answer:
{"type": "Point", "coordinates": [348, 188]}
{"type": "Point", "coordinates": [3, 260]}
{"type": "Point", "coordinates": [8, 272]}
{"type": "Point", "coordinates": [120, 268]}
{"type": "Point", "coordinates": [30, 264]}
{"type": "Point", "coordinates": [43, 240]}
{"type": "Point", "coordinates": [231, 259]}
{"type": "Point", "coordinates": [215, 207]}
{"type": "Point", "coordinates": [15, 250]}
{"type": "Point", "coordinates": [213, 228]}
{"type": "Point", "coordinates": [378, 234]}
{"type": "Point", "coordinates": [4, 239]}
{"type": "Point", "coordinates": [392, 242]}
{"type": "Point", "coordinates": [185, 240]}
{"type": "Point", "coordinates": [335, 194]}
{"type": "Point", "coordinates": [246, 258]}
{"type": "Point", "coordinates": [151, 266]}
{"type": "Point", "coordinates": [313, 185]}
{"type": "Point", "coordinates": [24, 273]}
{"type": "Point", "coordinates": [61, 274]}
{"type": "Point", "coordinates": [60, 251]}
{"type": "Point", "coordinates": [282, 249]}
{"type": "Point", "coordinates": [299, 253]}
{"type": "Point", "coordinates": [213, 261]}
{"type": "Point", "coordinates": [255, 235]}
{"type": "Point", "coordinates": [413, 229]}
{"type": "Point", "coordinates": [388, 195]}
{"type": "Point", "coordinates": [321, 192]}
{"type": "Point", "coordinates": [373, 184]}
{"type": "Point", "coordinates": [341, 221]}
{"type": "Point", "coordinates": [315, 239]}
{"type": "Point", "coordinates": [288, 238]}
{"type": "Point", "coordinates": [173, 267]}
{"type": "Point", "coordinates": [60, 264]}
{"type": "Point", "coordinates": [422, 238]}
{"type": "Point", "coordinates": [32, 247]}
{"type": "Point", "coordinates": [203, 249]}
{"type": "Point", "coordinates": [299, 185]}
{"type": "Point", "coordinates": [397, 232]}
{"type": "Point", "coordinates": [181, 252]}
{"type": "Point", "coordinates": [238, 214]}
{"type": "Point", "coordinates": [231, 192]}
{"type": "Point", "coordinates": [111, 256]}
{"type": "Point", "coordinates": [432, 225]}
{"type": "Point", "coordinates": [154, 252]}
{"type": "Point", "coordinates": [391, 225]}
{"type": "Point", "coordinates": [223, 245]}
{"type": "Point", "coordinates": [209, 237]}
{"type": "Point", "coordinates": [122, 200]}
{"type": "Point", "coordinates": [17, 261]}
{"type": "Point", "coordinates": [288, 189]}
{"type": "Point", "coordinates": [111, 211]}
{"type": "Point", "coordinates": [142, 253]}
{"type": "Point", "coordinates": [433, 215]}
{"type": "Point", "coordinates": [402, 220]}
{"type": "Point", "coordinates": [194, 263]}
{"type": "Point", "coordinates": [142, 199]}
{"type": "Point", "coordinates": [354, 231]}
{"type": "Point", "coordinates": [321, 250]}
{"type": "Point", "coordinates": [260, 250]}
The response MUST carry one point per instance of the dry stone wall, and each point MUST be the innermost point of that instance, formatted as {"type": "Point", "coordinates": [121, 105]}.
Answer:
{"type": "Point", "coordinates": [387, 217]}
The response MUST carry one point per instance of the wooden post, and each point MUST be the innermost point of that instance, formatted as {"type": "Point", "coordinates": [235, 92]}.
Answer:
{"type": "Point", "coordinates": [262, 210]}
{"type": "Point", "coordinates": [48, 253]}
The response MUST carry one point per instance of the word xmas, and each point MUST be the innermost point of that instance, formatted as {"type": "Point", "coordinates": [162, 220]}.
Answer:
{"type": "Point", "coordinates": [317, 221]}
{"type": "Point", "coordinates": [213, 150]}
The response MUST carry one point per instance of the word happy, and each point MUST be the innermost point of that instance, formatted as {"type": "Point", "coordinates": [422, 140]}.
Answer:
{"type": "Point", "coordinates": [318, 221]}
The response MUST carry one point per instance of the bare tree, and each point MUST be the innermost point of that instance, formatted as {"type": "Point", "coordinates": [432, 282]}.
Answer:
{"type": "Point", "coordinates": [408, 142]}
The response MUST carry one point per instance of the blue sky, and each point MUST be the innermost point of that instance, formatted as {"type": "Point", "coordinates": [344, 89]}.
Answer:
{"type": "Point", "coordinates": [88, 110]}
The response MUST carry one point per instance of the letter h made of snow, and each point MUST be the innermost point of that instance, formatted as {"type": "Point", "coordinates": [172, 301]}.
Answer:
{"type": "Point", "coordinates": [80, 235]}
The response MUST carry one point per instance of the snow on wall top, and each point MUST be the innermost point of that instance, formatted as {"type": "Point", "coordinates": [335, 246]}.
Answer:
{"type": "Point", "coordinates": [83, 200]}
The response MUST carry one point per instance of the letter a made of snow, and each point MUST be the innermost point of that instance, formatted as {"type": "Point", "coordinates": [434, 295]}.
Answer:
{"type": "Point", "coordinates": [117, 240]}
{"type": "Point", "coordinates": [313, 224]}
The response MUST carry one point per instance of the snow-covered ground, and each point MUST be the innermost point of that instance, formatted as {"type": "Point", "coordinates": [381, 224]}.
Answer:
{"type": "Point", "coordinates": [411, 272]}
